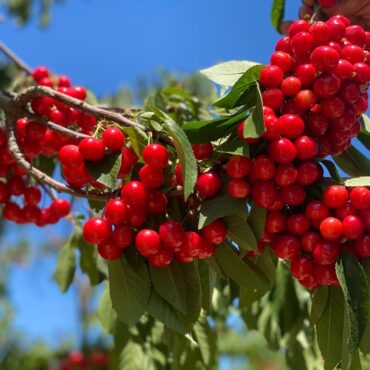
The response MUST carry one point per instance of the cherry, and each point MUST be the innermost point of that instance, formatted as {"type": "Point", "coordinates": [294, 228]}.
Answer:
{"type": "Point", "coordinates": [157, 202]}
{"type": "Point", "coordinates": [215, 232]}
{"type": "Point", "coordinates": [97, 230]}
{"type": "Point", "coordinates": [326, 85]}
{"type": "Point", "coordinates": [238, 166]}
{"type": "Point", "coordinates": [109, 250]}
{"type": "Point", "coordinates": [335, 196]}
{"type": "Point", "coordinates": [92, 149]}
{"type": "Point", "coordinates": [349, 93]}
{"type": "Point", "coordinates": [113, 138]}
{"type": "Point", "coordinates": [16, 185]}
{"type": "Point", "coordinates": [344, 70]}
{"type": "Point", "coordinates": [291, 85]}
{"type": "Point", "coordinates": [275, 222]}
{"type": "Point", "coordinates": [202, 151]}
{"type": "Point", "coordinates": [155, 155]}
{"type": "Point", "coordinates": [353, 54]}
{"type": "Point", "coordinates": [31, 213]}
{"type": "Point", "coordinates": [136, 216]}
{"type": "Point", "coordinates": [324, 58]}
{"type": "Point", "coordinates": [57, 116]}
{"type": "Point", "coordinates": [309, 282]}
{"type": "Point", "coordinates": [333, 107]}
{"type": "Point", "coordinates": [298, 26]}
{"type": "Point", "coordinates": [77, 92]}
{"type": "Point", "coordinates": [115, 211]}
{"type": "Point", "coordinates": [305, 73]}
{"type": "Point", "coordinates": [263, 168]}
{"type": "Point", "coordinates": [12, 212]}
{"type": "Point", "coordinates": [272, 127]}
{"type": "Point", "coordinates": [172, 235]}
{"type": "Point", "coordinates": [346, 210]}
{"type": "Point", "coordinates": [39, 73]}
{"type": "Point", "coordinates": [365, 215]}
{"type": "Point", "coordinates": [208, 184]}
{"type": "Point", "coordinates": [178, 175]}
{"type": "Point", "coordinates": [293, 195]}
{"type": "Point", "coordinates": [264, 193]}
{"type": "Point", "coordinates": [301, 267]}
{"type": "Point", "coordinates": [355, 34]}
{"type": "Point", "coordinates": [191, 244]}
{"type": "Point", "coordinates": [326, 253]}
{"type": "Point", "coordinates": [61, 207]}
{"type": "Point", "coordinates": [183, 258]}
{"type": "Point", "coordinates": [308, 173]}
{"type": "Point", "coordinates": [298, 224]}
{"type": "Point", "coordinates": [360, 197]}
{"type": "Point", "coordinates": [134, 193]}
{"type": "Point", "coordinates": [238, 188]}
{"type": "Point", "coordinates": [282, 60]}
{"type": "Point", "coordinates": [301, 43]}
{"type": "Point", "coordinates": [77, 177]}
{"type": "Point", "coordinates": [331, 228]}
{"type": "Point", "coordinates": [64, 81]}
{"type": "Point", "coordinates": [285, 175]}
{"type": "Point", "coordinates": [129, 158]}
{"type": "Point", "coordinates": [290, 125]}
{"type": "Point", "coordinates": [122, 236]}
{"type": "Point", "coordinates": [4, 192]}
{"type": "Point", "coordinates": [206, 249]}
{"type": "Point", "coordinates": [147, 242]}
{"type": "Point", "coordinates": [151, 177]}
{"type": "Point", "coordinates": [286, 247]}
{"type": "Point", "coordinates": [162, 258]}
{"type": "Point", "coordinates": [362, 246]}
{"type": "Point", "coordinates": [320, 32]}
{"type": "Point", "coordinates": [325, 274]}
{"type": "Point", "coordinates": [34, 131]}
{"type": "Point", "coordinates": [306, 147]}
{"type": "Point", "coordinates": [305, 99]}
{"type": "Point", "coordinates": [282, 151]}
{"type": "Point", "coordinates": [271, 76]}
{"type": "Point", "coordinates": [353, 227]}
{"type": "Point", "coordinates": [69, 155]}
{"type": "Point", "coordinates": [273, 98]}
{"type": "Point", "coordinates": [309, 240]}
{"type": "Point", "coordinates": [317, 210]}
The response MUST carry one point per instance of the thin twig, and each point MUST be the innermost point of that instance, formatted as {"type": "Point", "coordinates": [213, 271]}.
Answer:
{"type": "Point", "coordinates": [19, 62]}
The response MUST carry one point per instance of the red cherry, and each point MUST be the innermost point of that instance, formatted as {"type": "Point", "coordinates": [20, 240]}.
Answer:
{"type": "Point", "coordinates": [238, 188]}
{"type": "Point", "coordinates": [16, 185]}
{"type": "Point", "coordinates": [191, 244]}
{"type": "Point", "coordinates": [306, 74]}
{"type": "Point", "coordinates": [136, 216]}
{"type": "Point", "coordinates": [109, 250]}
{"type": "Point", "coordinates": [96, 230]}
{"type": "Point", "coordinates": [272, 127]}
{"type": "Point", "coordinates": [293, 195]}
{"type": "Point", "coordinates": [34, 131]}
{"type": "Point", "coordinates": [147, 242]}
{"type": "Point", "coordinates": [308, 282]}
{"type": "Point", "coordinates": [286, 247]}
{"type": "Point", "coordinates": [77, 92]}
{"type": "Point", "coordinates": [346, 210]}
{"type": "Point", "coordinates": [61, 207]}
{"type": "Point", "coordinates": [264, 193]}
{"type": "Point", "coordinates": [183, 258]}
{"type": "Point", "coordinates": [301, 43]}
{"type": "Point", "coordinates": [31, 214]}
{"type": "Point", "coordinates": [317, 210]}
{"type": "Point", "coordinates": [92, 149]}
{"type": "Point", "coordinates": [282, 60]}
{"type": "Point", "coordinates": [326, 85]}
{"type": "Point", "coordinates": [331, 229]}
{"type": "Point", "coordinates": [298, 224]}
{"type": "Point", "coordinates": [285, 175]}
{"type": "Point", "coordinates": [172, 235]}
{"type": "Point", "coordinates": [362, 246]}
{"type": "Point", "coordinates": [113, 138]}
{"type": "Point", "coordinates": [353, 227]}
{"type": "Point", "coordinates": [202, 151]}
{"type": "Point", "coordinates": [155, 155]}
{"type": "Point", "coordinates": [344, 70]}
{"type": "Point", "coordinates": [271, 76]}
{"type": "Point", "coordinates": [301, 267]}
{"type": "Point", "coordinates": [320, 32]}
{"type": "Point", "coordinates": [263, 168]}
{"type": "Point", "coordinates": [69, 155]}
{"type": "Point", "coordinates": [238, 166]}
{"type": "Point", "coordinates": [151, 177]}
{"type": "Point", "coordinates": [282, 151]}
{"type": "Point", "coordinates": [134, 193]}
{"type": "Point", "coordinates": [64, 81]}
{"type": "Point", "coordinates": [32, 195]}
{"type": "Point", "coordinates": [206, 249]}
{"type": "Point", "coordinates": [308, 173]}
{"type": "Point", "coordinates": [215, 232]}
{"type": "Point", "coordinates": [273, 98]}
{"type": "Point", "coordinates": [325, 274]}
{"type": "Point", "coordinates": [335, 196]}
{"type": "Point", "coordinates": [208, 184]}
{"type": "Point", "coordinates": [39, 73]}
{"type": "Point", "coordinates": [360, 197]}
{"type": "Point", "coordinates": [327, 3]}
{"type": "Point", "coordinates": [291, 125]}
{"type": "Point", "coordinates": [275, 222]}
{"type": "Point", "coordinates": [298, 26]}
{"type": "Point", "coordinates": [309, 240]}
{"type": "Point", "coordinates": [122, 236]}
{"type": "Point", "coordinates": [326, 253]}
{"type": "Point", "coordinates": [305, 99]}
{"type": "Point", "coordinates": [355, 34]}
{"type": "Point", "coordinates": [324, 58]}
{"type": "Point", "coordinates": [115, 211]}
{"type": "Point", "coordinates": [291, 85]}
{"type": "Point", "coordinates": [157, 202]}
{"type": "Point", "coordinates": [162, 258]}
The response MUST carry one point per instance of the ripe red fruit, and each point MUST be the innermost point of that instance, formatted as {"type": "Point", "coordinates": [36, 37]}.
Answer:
{"type": "Point", "coordinates": [172, 235]}
{"type": "Point", "coordinates": [298, 26]}
{"type": "Point", "coordinates": [271, 76]}
{"type": "Point", "coordinates": [113, 138]}
{"type": "Point", "coordinates": [355, 34]}
{"type": "Point", "coordinates": [331, 228]}
{"type": "Point", "coordinates": [109, 250]}
{"type": "Point", "coordinates": [285, 175]}
{"type": "Point", "coordinates": [286, 247]}
{"type": "Point", "coordinates": [272, 127]}
{"type": "Point", "coordinates": [324, 58]}
{"type": "Point", "coordinates": [346, 210]}
{"type": "Point", "coordinates": [183, 258]}
{"type": "Point", "coordinates": [309, 240]}
{"type": "Point", "coordinates": [301, 267]}
{"type": "Point", "coordinates": [115, 211]}
{"type": "Point", "coordinates": [206, 249]}
{"type": "Point", "coordinates": [290, 125]}
{"type": "Point", "coordinates": [202, 151]}
{"type": "Point", "coordinates": [293, 195]}
{"type": "Point", "coordinates": [326, 85]}
{"type": "Point", "coordinates": [326, 252]}
{"type": "Point", "coordinates": [305, 99]}
{"type": "Point", "coordinates": [264, 193]}
{"type": "Point", "coordinates": [32, 195]}
{"type": "Point", "coordinates": [136, 216]}
{"type": "Point", "coordinates": [317, 210]}
{"type": "Point", "coordinates": [275, 222]}
{"type": "Point", "coordinates": [92, 149]}
{"type": "Point", "coordinates": [155, 155]}
{"type": "Point", "coordinates": [134, 193]}
{"type": "Point", "coordinates": [335, 196]}
{"type": "Point", "coordinates": [39, 73]}
{"type": "Point", "coordinates": [325, 274]}
{"type": "Point", "coordinates": [31, 214]}
{"type": "Point", "coordinates": [306, 147]}
{"type": "Point", "coordinates": [273, 98]}
{"type": "Point", "coordinates": [215, 232]}
{"type": "Point", "coordinates": [360, 197]}
{"type": "Point", "coordinates": [162, 258]}
{"type": "Point", "coordinates": [282, 60]}
{"type": "Point", "coordinates": [263, 168]}
{"type": "Point", "coordinates": [12, 212]}
{"type": "Point", "coordinates": [191, 244]}
{"type": "Point", "coordinates": [291, 85]}
{"type": "Point", "coordinates": [69, 155]}
{"type": "Point", "coordinates": [208, 184]}
{"type": "Point", "coordinates": [282, 151]}
{"type": "Point", "coordinates": [157, 202]}
{"type": "Point", "coordinates": [308, 172]}
{"type": "Point", "coordinates": [61, 207]}
{"type": "Point", "coordinates": [298, 224]}
{"type": "Point", "coordinates": [151, 177]}
{"type": "Point", "coordinates": [122, 236]}
{"type": "Point", "coordinates": [97, 230]}
{"type": "Point", "coordinates": [301, 43]}
{"type": "Point", "coordinates": [320, 32]}
{"type": "Point", "coordinates": [344, 70]}
{"type": "Point", "coordinates": [147, 242]}
{"type": "Point", "coordinates": [333, 107]}
{"type": "Point", "coordinates": [362, 246]}
{"type": "Point", "coordinates": [16, 185]}
{"type": "Point", "coordinates": [238, 166]}
{"type": "Point", "coordinates": [34, 131]}
{"type": "Point", "coordinates": [353, 227]}
{"type": "Point", "coordinates": [238, 188]}
{"type": "Point", "coordinates": [306, 74]}
{"type": "Point", "coordinates": [309, 282]}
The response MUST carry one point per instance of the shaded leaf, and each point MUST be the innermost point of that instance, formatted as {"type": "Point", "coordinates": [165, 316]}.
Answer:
{"type": "Point", "coordinates": [254, 125]}
{"type": "Point", "coordinates": [358, 181]}
{"type": "Point", "coordinates": [333, 171]}
{"type": "Point", "coordinates": [319, 302]}
{"type": "Point", "coordinates": [353, 162]}
{"type": "Point", "coordinates": [257, 220]}
{"type": "Point", "coordinates": [207, 281]}
{"type": "Point", "coordinates": [106, 314]}
{"type": "Point", "coordinates": [66, 267]}
{"type": "Point", "coordinates": [235, 146]}
{"type": "Point", "coordinates": [277, 13]}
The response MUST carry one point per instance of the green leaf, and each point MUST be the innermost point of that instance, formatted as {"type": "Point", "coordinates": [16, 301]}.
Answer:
{"type": "Point", "coordinates": [329, 329]}
{"type": "Point", "coordinates": [277, 13]}
{"type": "Point", "coordinates": [319, 302]}
{"type": "Point", "coordinates": [45, 164]}
{"type": "Point", "coordinates": [200, 132]}
{"type": "Point", "coordinates": [364, 138]}
{"type": "Point", "coordinates": [218, 207]}
{"type": "Point", "coordinates": [132, 357]}
{"type": "Point", "coordinates": [106, 314]}
{"type": "Point", "coordinates": [357, 296]}
{"type": "Point", "coordinates": [207, 281]}
{"type": "Point", "coordinates": [66, 267]}
{"type": "Point", "coordinates": [138, 138]}
{"type": "Point", "coordinates": [353, 162]}
{"type": "Point", "coordinates": [358, 181]}
{"type": "Point", "coordinates": [106, 170]}
{"type": "Point", "coordinates": [333, 171]}
{"type": "Point", "coordinates": [129, 288]}
{"type": "Point", "coordinates": [243, 272]}
{"type": "Point", "coordinates": [365, 343]}
{"type": "Point", "coordinates": [235, 146]}
{"type": "Point", "coordinates": [228, 73]}
{"type": "Point", "coordinates": [257, 220]}
{"type": "Point", "coordinates": [89, 260]}
{"type": "Point", "coordinates": [184, 152]}
{"type": "Point", "coordinates": [169, 283]}
{"type": "Point", "coordinates": [239, 231]}
{"type": "Point", "coordinates": [244, 86]}
{"type": "Point", "coordinates": [254, 125]}
{"type": "Point", "coordinates": [365, 121]}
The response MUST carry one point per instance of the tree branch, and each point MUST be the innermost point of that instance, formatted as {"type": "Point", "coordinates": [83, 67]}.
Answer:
{"type": "Point", "coordinates": [19, 62]}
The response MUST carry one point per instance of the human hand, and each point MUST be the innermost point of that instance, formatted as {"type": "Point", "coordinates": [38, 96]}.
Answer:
{"type": "Point", "coordinates": [358, 11]}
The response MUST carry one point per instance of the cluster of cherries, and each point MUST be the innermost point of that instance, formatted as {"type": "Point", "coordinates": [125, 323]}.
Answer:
{"type": "Point", "coordinates": [124, 217]}
{"type": "Point", "coordinates": [76, 360]}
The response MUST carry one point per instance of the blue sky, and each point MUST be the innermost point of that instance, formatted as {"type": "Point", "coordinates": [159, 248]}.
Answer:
{"type": "Point", "coordinates": [108, 44]}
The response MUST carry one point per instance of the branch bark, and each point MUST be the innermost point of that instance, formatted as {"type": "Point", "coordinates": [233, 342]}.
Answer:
{"type": "Point", "coordinates": [18, 61]}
